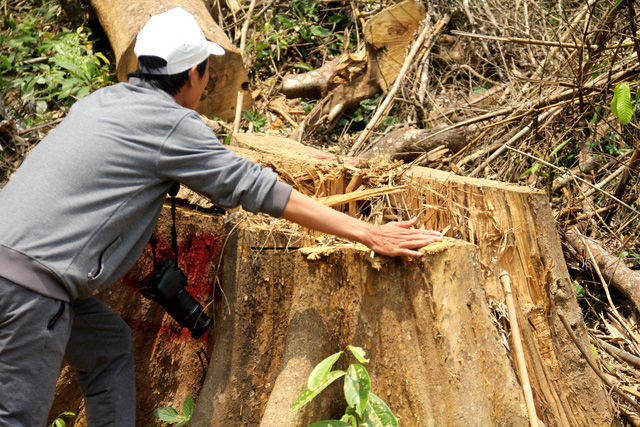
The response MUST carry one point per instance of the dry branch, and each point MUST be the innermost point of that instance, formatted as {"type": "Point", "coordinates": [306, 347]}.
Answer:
{"type": "Point", "coordinates": [606, 380]}
{"type": "Point", "coordinates": [613, 268]}
{"type": "Point", "coordinates": [408, 144]}
{"type": "Point", "coordinates": [311, 84]}
{"type": "Point", "coordinates": [539, 42]}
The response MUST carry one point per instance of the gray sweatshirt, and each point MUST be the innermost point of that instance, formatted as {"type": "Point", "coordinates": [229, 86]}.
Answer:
{"type": "Point", "coordinates": [81, 208]}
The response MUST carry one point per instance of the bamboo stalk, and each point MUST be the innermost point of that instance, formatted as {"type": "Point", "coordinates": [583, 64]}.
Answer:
{"type": "Point", "coordinates": [519, 349]}
{"type": "Point", "coordinates": [245, 28]}
{"type": "Point", "coordinates": [236, 122]}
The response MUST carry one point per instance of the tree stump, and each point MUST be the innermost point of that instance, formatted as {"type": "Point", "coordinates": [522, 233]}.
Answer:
{"type": "Point", "coordinates": [436, 358]}
{"type": "Point", "coordinates": [289, 298]}
{"type": "Point", "coordinates": [514, 231]}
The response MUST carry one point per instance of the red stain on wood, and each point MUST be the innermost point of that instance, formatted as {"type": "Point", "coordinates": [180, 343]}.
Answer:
{"type": "Point", "coordinates": [173, 332]}
{"type": "Point", "coordinates": [196, 257]}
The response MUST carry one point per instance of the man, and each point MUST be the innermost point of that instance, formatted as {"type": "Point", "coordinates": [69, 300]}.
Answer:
{"type": "Point", "coordinates": [81, 208]}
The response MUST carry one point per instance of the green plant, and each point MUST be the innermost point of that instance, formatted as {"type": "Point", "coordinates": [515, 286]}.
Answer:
{"type": "Point", "coordinates": [580, 291]}
{"type": "Point", "coordinates": [367, 107]}
{"type": "Point", "coordinates": [259, 121]}
{"type": "Point", "coordinates": [302, 29]}
{"type": "Point", "coordinates": [59, 421]}
{"type": "Point", "coordinates": [621, 106]}
{"type": "Point", "coordinates": [364, 408]}
{"type": "Point", "coordinates": [43, 71]}
{"type": "Point", "coordinates": [552, 157]}
{"type": "Point", "coordinates": [171, 415]}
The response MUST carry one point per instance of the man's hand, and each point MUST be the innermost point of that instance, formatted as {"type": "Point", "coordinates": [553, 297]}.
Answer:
{"type": "Point", "coordinates": [392, 239]}
{"type": "Point", "coordinates": [398, 239]}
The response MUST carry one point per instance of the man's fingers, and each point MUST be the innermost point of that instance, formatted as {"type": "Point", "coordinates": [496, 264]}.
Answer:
{"type": "Point", "coordinates": [407, 223]}
{"type": "Point", "coordinates": [408, 252]}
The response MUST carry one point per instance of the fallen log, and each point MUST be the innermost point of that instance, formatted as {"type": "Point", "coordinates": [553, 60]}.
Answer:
{"type": "Point", "coordinates": [345, 82]}
{"type": "Point", "coordinates": [613, 268]}
{"type": "Point", "coordinates": [122, 20]}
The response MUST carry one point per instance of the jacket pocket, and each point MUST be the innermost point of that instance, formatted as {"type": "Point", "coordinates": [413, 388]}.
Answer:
{"type": "Point", "coordinates": [97, 271]}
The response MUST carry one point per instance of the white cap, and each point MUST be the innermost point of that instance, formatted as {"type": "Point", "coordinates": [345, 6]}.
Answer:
{"type": "Point", "coordinates": [176, 37]}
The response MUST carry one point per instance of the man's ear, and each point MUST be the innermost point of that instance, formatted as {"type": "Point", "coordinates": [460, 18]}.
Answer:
{"type": "Point", "coordinates": [193, 74]}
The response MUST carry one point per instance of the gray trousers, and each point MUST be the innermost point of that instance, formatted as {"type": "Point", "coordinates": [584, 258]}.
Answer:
{"type": "Point", "coordinates": [37, 333]}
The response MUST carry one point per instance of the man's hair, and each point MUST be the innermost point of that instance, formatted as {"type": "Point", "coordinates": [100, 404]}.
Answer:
{"type": "Point", "coordinates": [169, 83]}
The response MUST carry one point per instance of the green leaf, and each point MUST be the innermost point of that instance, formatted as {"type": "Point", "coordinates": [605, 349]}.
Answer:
{"type": "Point", "coordinates": [621, 106]}
{"type": "Point", "coordinates": [5, 62]}
{"type": "Point", "coordinates": [330, 423]}
{"type": "Point", "coordinates": [359, 353]}
{"type": "Point", "coordinates": [357, 386]}
{"type": "Point", "coordinates": [308, 395]}
{"type": "Point", "coordinates": [305, 66]}
{"type": "Point", "coordinates": [72, 68]}
{"type": "Point", "coordinates": [351, 416]}
{"type": "Point", "coordinates": [319, 31]}
{"type": "Point", "coordinates": [169, 415]}
{"type": "Point", "coordinates": [321, 370]}
{"type": "Point", "coordinates": [59, 423]}
{"type": "Point", "coordinates": [188, 406]}
{"type": "Point", "coordinates": [560, 147]}
{"type": "Point", "coordinates": [580, 292]}
{"type": "Point", "coordinates": [596, 354]}
{"type": "Point", "coordinates": [378, 414]}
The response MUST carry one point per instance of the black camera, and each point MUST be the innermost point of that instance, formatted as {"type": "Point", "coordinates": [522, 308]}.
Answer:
{"type": "Point", "coordinates": [167, 286]}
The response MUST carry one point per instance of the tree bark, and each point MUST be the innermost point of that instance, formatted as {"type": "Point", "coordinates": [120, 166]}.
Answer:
{"type": "Point", "coordinates": [436, 358]}
{"type": "Point", "coordinates": [122, 20]}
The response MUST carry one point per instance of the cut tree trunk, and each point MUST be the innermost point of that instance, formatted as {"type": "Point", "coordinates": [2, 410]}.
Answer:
{"type": "Point", "coordinates": [514, 231]}
{"type": "Point", "coordinates": [170, 365]}
{"type": "Point", "coordinates": [122, 20]}
{"type": "Point", "coordinates": [289, 298]}
{"type": "Point", "coordinates": [436, 357]}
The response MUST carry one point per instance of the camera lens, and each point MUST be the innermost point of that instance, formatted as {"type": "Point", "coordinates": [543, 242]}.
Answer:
{"type": "Point", "coordinates": [190, 314]}
{"type": "Point", "coordinates": [198, 322]}
{"type": "Point", "coordinates": [167, 286]}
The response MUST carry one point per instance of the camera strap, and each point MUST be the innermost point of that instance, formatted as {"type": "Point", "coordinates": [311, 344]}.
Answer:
{"type": "Point", "coordinates": [173, 191]}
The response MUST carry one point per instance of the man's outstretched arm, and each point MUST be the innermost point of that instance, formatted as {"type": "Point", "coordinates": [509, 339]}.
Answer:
{"type": "Point", "coordinates": [392, 239]}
